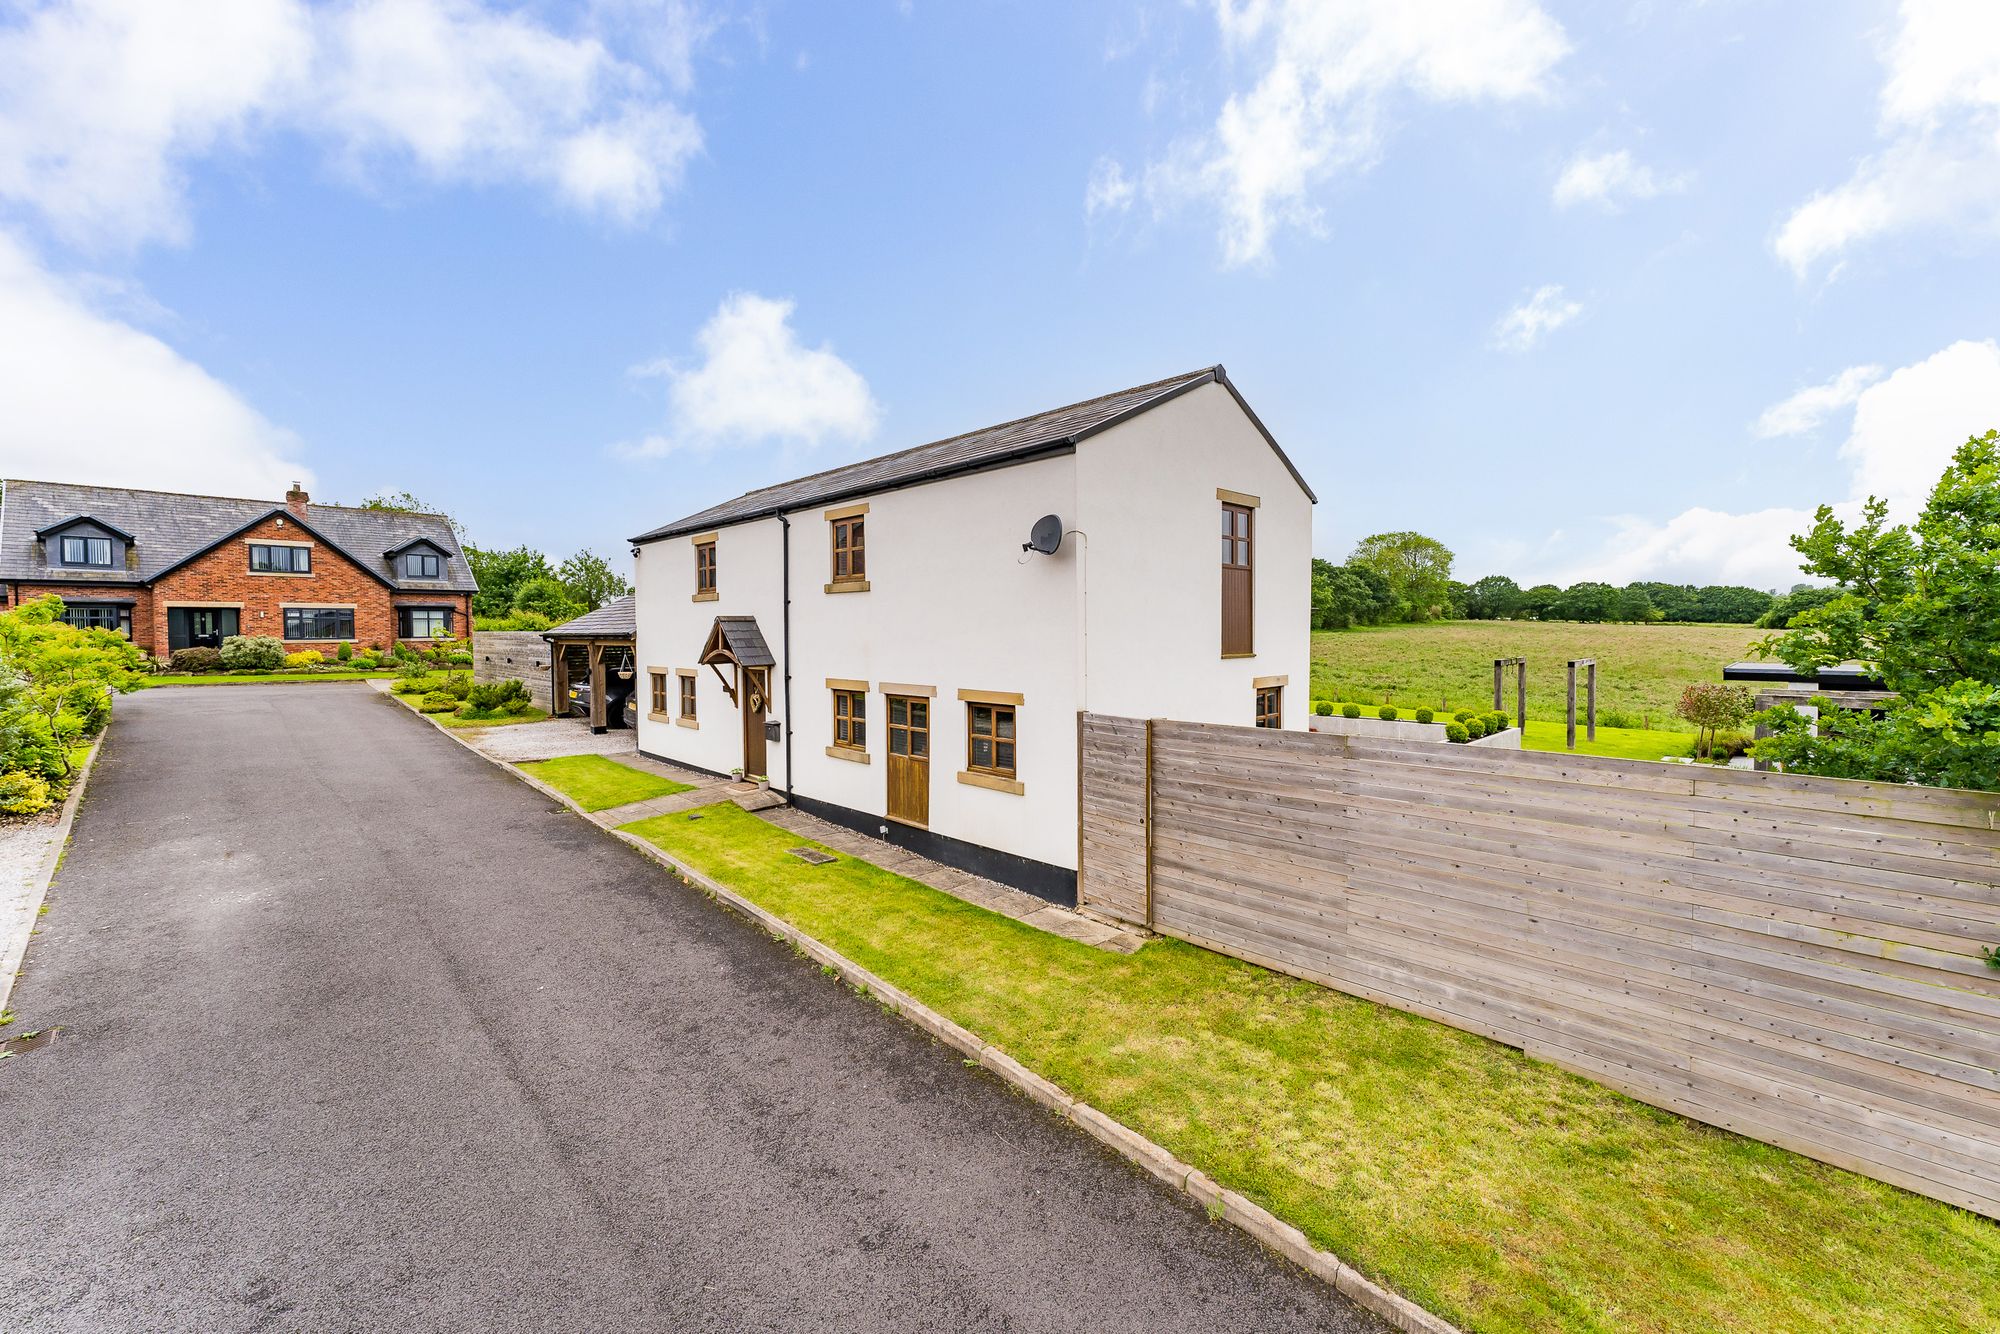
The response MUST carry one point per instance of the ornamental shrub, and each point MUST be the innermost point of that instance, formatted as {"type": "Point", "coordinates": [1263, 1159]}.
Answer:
{"type": "Point", "coordinates": [498, 697]}
{"type": "Point", "coordinates": [23, 793]}
{"type": "Point", "coordinates": [1475, 728]}
{"type": "Point", "coordinates": [460, 659]}
{"type": "Point", "coordinates": [252, 653]}
{"type": "Point", "coordinates": [1386, 713]}
{"type": "Point", "coordinates": [305, 657]}
{"type": "Point", "coordinates": [1495, 721]}
{"type": "Point", "coordinates": [1323, 707]}
{"type": "Point", "coordinates": [1424, 715]}
{"type": "Point", "coordinates": [365, 663]}
{"type": "Point", "coordinates": [420, 684]}
{"type": "Point", "coordinates": [345, 652]}
{"type": "Point", "coordinates": [1463, 715]}
{"type": "Point", "coordinates": [458, 687]}
{"type": "Point", "coordinates": [195, 660]}
{"type": "Point", "coordinates": [1456, 732]}
{"type": "Point", "coordinates": [438, 701]}
{"type": "Point", "coordinates": [1350, 710]}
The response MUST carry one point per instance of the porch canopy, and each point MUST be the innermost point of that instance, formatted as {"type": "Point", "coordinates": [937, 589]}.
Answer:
{"type": "Point", "coordinates": [737, 640]}
{"type": "Point", "coordinates": [588, 648]}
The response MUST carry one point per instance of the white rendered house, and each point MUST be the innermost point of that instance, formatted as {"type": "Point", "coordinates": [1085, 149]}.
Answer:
{"type": "Point", "coordinates": [904, 648]}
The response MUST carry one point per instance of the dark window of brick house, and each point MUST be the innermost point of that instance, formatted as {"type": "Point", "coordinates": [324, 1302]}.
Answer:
{"type": "Point", "coordinates": [422, 622]}
{"type": "Point", "coordinates": [269, 559]}
{"type": "Point", "coordinates": [86, 551]}
{"type": "Point", "coordinates": [319, 622]}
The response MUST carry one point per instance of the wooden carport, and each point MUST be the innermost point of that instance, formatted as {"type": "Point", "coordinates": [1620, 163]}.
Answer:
{"type": "Point", "coordinates": [591, 648]}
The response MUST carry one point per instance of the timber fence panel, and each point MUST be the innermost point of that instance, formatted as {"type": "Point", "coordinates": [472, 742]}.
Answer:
{"type": "Point", "coordinates": [1797, 959]}
{"type": "Point", "coordinates": [513, 655]}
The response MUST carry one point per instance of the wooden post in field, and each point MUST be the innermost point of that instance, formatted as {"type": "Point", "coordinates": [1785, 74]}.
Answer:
{"type": "Point", "coordinates": [1590, 664]}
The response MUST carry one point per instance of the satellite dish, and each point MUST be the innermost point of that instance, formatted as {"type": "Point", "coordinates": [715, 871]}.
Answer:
{"type": "Point", "coordinates": [1045, 536]}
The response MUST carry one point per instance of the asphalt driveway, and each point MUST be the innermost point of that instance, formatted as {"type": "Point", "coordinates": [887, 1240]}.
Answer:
{"type": "Point", "coordinates": [356, 1031]}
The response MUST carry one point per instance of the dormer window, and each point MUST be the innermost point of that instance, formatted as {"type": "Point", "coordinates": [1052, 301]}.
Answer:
{"type": "Point", "coordinates": [423, 565]}
{"type": "Point", "coordinates": [92, 551]}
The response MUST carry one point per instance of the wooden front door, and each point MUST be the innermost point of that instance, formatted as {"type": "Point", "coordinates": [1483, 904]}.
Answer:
{"type": "Point", "coordinates": [910, 759]}
{"type": "Point", "coordinates": [750, 691]}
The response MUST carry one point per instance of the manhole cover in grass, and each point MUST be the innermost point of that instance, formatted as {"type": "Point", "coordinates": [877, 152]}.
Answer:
{"type": "Point", "coordinates": [812, 855]}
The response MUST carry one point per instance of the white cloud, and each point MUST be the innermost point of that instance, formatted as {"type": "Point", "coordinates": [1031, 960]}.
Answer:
{"type": "Point", "coordinates": [1328, 73]}
{"type": "Point", "coordinates": [103, 103]}
{"type": "Point", "coordinates": [1609, 179]}
{"type": "Point", "coordinates": [758, 383]}
{"type": "Point", "coordinates": [92, 399]}
{"type": "Point", "coordinates": [1109, 191]}
{"type": "Point", "coordinates": [1810, 406]}
{"type": "Point", "coordinates": [1905, 429]}
{"type": "Point", "coordinates": [1521, 328]}
{"type": "Point", "coordinates": [1939, 166]}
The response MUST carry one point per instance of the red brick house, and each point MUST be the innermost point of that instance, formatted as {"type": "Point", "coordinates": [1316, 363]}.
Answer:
{"type": "Point", "coordinates": [179, 571]}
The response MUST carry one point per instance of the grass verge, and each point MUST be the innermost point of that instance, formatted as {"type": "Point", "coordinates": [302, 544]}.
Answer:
{"type": "Point", "coordinates": [1500, 1192]}
{"type": "Point", "coordinates": [458, 720]}
{"type": "Point", "coordinates": [1620, 743]}
{"type": "Point", "coordinates": [258, 678]}
{"type": "Point", "coordinates": [596, 783]}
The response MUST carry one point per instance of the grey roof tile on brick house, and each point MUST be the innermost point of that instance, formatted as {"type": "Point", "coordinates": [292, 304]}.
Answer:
{"type": "Point", "coordinates": [1055, 431]}
{"type": "Point", "coordinates": [616, 619]}
{"type": "Point", "coordinates": [169, 527]}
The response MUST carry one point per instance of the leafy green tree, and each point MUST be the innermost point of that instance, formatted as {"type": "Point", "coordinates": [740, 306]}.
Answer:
{"type": "Point", "coordinates": [501, 575]}
{"type": "Point", "coordinates": [1711, 708]}
{"type": "Point", "coordinates": [1920, 606]}
{"type": "Point", "coordinates": [591, 581]}
{"type": "Point", "coordinates": [1730, 604]}
{"type": "Point", "coordinates": [1635, 607]}
{"type": "Point", "coordinates": [1803, 597]}
{"type": "Point", "coordinates": [1494, 598]}
{"type": "Point", "coordinates": [545, 595]}
{"type": "Point", "coordinates": [1346, 596]}
{"type": "Point", "coordinates": [1416, 568]}
{"type": "Point", "coordinates": [1587, 601]}
{"type": "Point", "coordinates": [67, 677]}
{"type": "Point", "coordinates": [1540, 602]}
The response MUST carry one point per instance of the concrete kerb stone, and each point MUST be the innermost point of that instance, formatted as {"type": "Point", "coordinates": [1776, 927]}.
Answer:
{"type": "Point", "coordinates": [1252, 1219]}
{"type": "Point", "coordinates": [14, 949]}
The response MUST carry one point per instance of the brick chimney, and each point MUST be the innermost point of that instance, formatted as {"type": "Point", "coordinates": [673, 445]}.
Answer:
{"type": "Point", "coordinates": [295, 500]}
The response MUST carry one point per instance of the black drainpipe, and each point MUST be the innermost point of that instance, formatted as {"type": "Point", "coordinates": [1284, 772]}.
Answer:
{"type": "Point", "coordinates": [785, 554]}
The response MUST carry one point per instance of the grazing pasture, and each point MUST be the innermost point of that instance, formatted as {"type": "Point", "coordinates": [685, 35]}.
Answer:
{"type": "Point", "coordinates": [1641, 669]}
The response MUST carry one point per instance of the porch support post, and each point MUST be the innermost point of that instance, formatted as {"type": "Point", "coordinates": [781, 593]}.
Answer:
{"type": "Point", "coordinates": [596, 687]}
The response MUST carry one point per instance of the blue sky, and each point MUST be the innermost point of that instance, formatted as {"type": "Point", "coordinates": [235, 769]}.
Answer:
{"type": "Point", "coordinates": [1615, 291]}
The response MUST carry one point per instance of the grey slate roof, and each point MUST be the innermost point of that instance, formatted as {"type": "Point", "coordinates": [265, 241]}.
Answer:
{"type": "Point", "coordinates": [168, 527]}
{"type": "Point", "coordinates": [1053, 431]}
{"type": "Point", "coordinates": [744, 641]}
{"type": "Point", "coordinates": [614, 620]}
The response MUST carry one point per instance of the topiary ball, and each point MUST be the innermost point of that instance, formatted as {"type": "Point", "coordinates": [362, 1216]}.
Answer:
{"type": "Point", "coordinates": [1456, 732]}
{"type": "Point", "coordinates": [1323, 707]}
{"type": "Point", "coordinates": [1350, 710]}
{"type": "Point", "coordinates": [1424, 715]}
{"type": "Point", "coordinates": [1475, 728]}
{"type": "Point", "coordinates": [1386, 713]}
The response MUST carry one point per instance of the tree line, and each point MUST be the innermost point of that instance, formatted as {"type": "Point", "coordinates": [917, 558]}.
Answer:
{"type": "Point", "coordinates": [520, 588]}
{"type": "Point", "coordinates": [1393, 578]}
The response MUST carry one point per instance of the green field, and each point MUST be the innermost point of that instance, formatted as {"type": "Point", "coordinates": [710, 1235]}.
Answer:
{"type": "Point", "coordinates": [1641, 669]}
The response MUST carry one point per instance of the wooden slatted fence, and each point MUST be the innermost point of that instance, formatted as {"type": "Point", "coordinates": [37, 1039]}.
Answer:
{"type": "Point", "coordinates": [1793, 958]}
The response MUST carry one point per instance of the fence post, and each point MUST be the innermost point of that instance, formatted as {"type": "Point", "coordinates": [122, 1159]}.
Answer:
{"type": "Point", "coordinates": [1571, 710]}
{"type": "Point", "coordinates": [1592, 706]}
{"type": "Point", "coordinates": [1148, 822]}
{"type": "Point", "coordinates": [1499, 675]}
{"type": "Point", "coordinates": [1520, 695]}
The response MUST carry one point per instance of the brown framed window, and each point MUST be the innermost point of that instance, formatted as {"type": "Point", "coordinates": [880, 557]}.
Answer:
{"type": "Point", "coordinates": [850, 549]}
{"type": "Point", "coordinates": [850, 719]}
{"type": "Point", "coordinates": [704, 567]}
{"type": "Point", "coordinates": [659, 692]}
{"type": "Point", "coordinates": [1238, 559]}
{"type": "Point", "coordinates": [1270, 706]}
{"type": "Point", "coordinates": [687, 697]}
{"type": "Point", "coordinates": [989, 739]}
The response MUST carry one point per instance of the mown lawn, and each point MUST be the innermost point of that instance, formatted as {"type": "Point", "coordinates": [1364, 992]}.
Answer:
{"type": "Point", "coordinates": [1622, 743]}
{"type": "Point", "coordinates": [1498, 1191]}
{"type": "Point", "coordinates": [596, 783]}
{"type": "Point", "coordinates": [258, 678]}
{"type": "Point", "coordinates": [1641, 669]}
{"type": "Point", "coordinates": [455, 720]}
